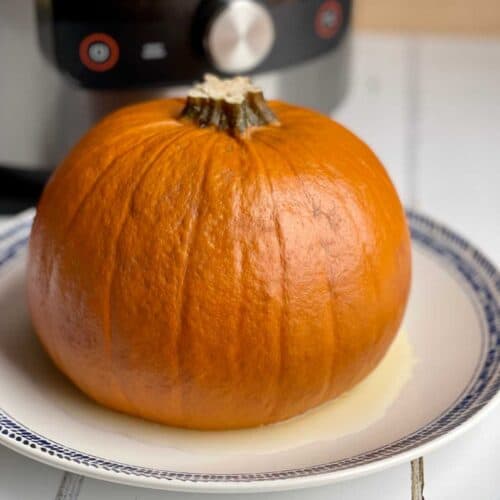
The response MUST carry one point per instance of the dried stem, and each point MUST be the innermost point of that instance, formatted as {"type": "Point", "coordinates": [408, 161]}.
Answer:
{"type": "Point", "coordinates": [233, 105]}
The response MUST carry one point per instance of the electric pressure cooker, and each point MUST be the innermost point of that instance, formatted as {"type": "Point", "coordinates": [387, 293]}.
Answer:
{"type": "Point", "coordinates": [66, 63]}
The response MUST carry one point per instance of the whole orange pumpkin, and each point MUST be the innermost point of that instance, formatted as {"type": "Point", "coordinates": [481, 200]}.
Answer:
{"type": "Point", "coordinates": [218, 262]}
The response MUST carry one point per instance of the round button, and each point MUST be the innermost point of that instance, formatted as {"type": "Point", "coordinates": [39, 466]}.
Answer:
{"type": "Point", "coordinates": [328, 19]}
{"type": "Point", "coordinates": [99, 52]}
{"type": "Point", "coordinates": [240, 36]}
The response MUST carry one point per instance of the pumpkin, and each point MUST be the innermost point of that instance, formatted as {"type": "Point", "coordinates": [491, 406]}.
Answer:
{"type": "Point", "coordinates": [218, 261]}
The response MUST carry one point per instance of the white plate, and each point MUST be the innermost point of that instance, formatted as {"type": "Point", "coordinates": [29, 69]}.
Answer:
{"type": "Point", "coordinates": [453, 322]}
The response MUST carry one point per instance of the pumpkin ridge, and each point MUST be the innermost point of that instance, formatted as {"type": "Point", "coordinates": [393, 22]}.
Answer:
{"type": "Point", "coordinates": [102, 174]}
{"type": "Point", "coordinates": [100, 178]}
{"type": "Point", "coordinates": [329, 273]}
{"type": "Point", "coordinates": [358, 166]}
{"type": "Point", "coordinates": [67, 228]}
{"type": "Point", "coordinates": [190, 244]}
{"type": "Point", "coordinates": [323, 166]}
{"type": "Point", "coordinates": [98, 146]}
{"type": "Point", "coordinates": [243, 263]}
{"type": "Point", "coordinates": [107, 319]}
{"type": "Point", "coordinates": [284, 293]}
{"type": "Point", "coordinates": [150, 172]}
{"type": "Point", "coordinates": [361, 165]}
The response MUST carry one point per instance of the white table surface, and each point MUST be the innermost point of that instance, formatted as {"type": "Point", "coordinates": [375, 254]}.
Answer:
{"type": "Point", "coordinates": [430, 108]}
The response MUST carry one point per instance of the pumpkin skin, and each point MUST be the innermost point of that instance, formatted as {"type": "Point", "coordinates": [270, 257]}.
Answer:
{"type": "Point", "coordinates": [210, 281]}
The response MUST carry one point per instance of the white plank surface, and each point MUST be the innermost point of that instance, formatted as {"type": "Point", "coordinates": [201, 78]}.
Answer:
{"type": "Point", "coordinates": [430, 108]}
{"type": "Point", "coordinates": [393, 485]}
{"type": "Point", "coordinates": [467, 469]}
{"type": "Point", "coordinates": [24, 479]}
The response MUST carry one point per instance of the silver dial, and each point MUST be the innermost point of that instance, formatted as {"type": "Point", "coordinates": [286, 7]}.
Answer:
{"type": "Point", "coordinates": [240, 36]}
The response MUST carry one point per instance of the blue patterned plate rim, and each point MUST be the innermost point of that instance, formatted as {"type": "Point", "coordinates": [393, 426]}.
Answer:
{"type": "Point", "coordinates": [477, 275]}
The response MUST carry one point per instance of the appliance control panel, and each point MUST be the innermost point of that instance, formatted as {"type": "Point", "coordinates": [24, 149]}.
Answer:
{"type": "Point", "coordinates": [145, 43]}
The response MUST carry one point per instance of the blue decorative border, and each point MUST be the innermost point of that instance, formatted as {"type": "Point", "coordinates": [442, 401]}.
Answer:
{"type": "Point", "coordinates": [477, 275]}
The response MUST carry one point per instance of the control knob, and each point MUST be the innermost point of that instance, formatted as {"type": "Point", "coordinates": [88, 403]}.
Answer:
{"type": "Point", "coordinates": [239, 35]}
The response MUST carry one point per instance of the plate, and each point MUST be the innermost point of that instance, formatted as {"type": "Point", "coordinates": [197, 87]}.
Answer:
{"type": "Point", "coordinates": [452, 324]}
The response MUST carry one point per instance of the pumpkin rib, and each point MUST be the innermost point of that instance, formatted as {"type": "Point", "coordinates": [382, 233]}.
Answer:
{"type": "Point", "coordinates": [69, 225]}
{"type": "Point", "coordinates": [368, 260]}
{"type": "Point", "coordinates": [361, 167]}
{"type": "Point", "coordinates": [106, 320]}
{"type": "Point", "coordinates": [251, 149]}
{"type": "Point", "coordinates": [178, 140]}
{"type": "Point", "coordinates": [388, 185]}
{"type": "Point", "coordinates": [331, 287]}
{"type": "Point", "coordinates": [190, 246]}
{"type": "Point", "coordinates": [107, 316]}
{"type": "Point", "coordinates": [348, 211]}
{"type": "Point", "coordinates": [329, 274]}
{"type": "Point", "coordinates": [358, 165]}
{"type": "Point", "coordinates": [99, 145]}
{"type": "Point", "coordinates": [337, 174]}
{"type": "Point", "coordinates": [100, 178]}
{"type": "Point", "coordinates": [355, 226]}
{"type": "Point", "coordinates": [242, 264]}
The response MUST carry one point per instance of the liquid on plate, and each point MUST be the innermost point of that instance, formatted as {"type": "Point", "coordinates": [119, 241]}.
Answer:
{"type": "Point", "coordinates": [52, 395]}
{"type": "Point", "coordinates": [351, 412]}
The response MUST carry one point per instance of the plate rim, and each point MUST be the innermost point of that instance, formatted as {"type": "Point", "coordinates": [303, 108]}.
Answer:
{"type": "Point", "coordinates": [478, 275]}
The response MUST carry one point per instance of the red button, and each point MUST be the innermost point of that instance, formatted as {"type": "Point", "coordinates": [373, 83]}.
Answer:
{"type": "Point", "coordinates": [99, 52]}
{"type": "Point", "coordinates": [328, 19]}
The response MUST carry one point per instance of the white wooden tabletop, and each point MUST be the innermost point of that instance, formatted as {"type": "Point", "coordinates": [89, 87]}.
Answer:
{"type": "Point", "coordinates": [430, 108]}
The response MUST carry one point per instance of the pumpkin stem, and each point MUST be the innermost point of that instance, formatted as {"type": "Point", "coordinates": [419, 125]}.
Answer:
{"type": "Point", "coordinates": [233, 105]}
